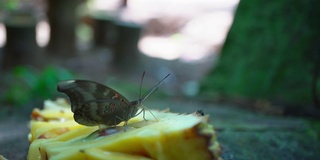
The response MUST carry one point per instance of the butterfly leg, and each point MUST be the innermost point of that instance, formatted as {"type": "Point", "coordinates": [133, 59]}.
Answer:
{"type": "Point", "coordinates": [102, 127]}
{"type": "Point", "coordinates": [125, 122]}
{"type": "Point", "coordinates": [125, 125]}
{"type": "Point", "coordinates": [144, 115]}
{"type": "Point", "coordinates": [144, 108]}
{"type": "Point", "coordinates": [139, 112]}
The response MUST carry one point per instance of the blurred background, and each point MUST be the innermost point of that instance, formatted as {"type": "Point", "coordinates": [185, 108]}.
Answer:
{"type": "Point", "coordinates": [263, 57]}
{"type": "Point", "coordinates": [269, 61]}
{"type": "Point", "coordinates": [111, 42]}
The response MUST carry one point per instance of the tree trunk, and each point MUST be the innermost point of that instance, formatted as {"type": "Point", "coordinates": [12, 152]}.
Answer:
{"type": "Point", "coordinates": [269, 53]}
{"type": "Point", "coordinates": [21, 47]}
{"type": "Point", "coordinates": [62, 21]}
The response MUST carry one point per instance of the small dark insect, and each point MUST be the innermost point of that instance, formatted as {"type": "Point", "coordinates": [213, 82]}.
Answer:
{"type": "Point", "coordinates": [199, 112]}
{"type": "Point", "coordinates": [95, 104]}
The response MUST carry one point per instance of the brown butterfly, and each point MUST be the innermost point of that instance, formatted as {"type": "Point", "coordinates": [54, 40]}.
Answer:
{"type": "Point", "coordinates": [95, 104]}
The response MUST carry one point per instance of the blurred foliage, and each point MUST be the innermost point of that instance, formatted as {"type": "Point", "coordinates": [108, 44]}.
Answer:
{"type": "Point", "coordinates": [24, 84]}
{"type": "Point", "coordinates": [15, 5]}
{"type": "Point", "coordinates": [314, 130]}
{"type": "Point", "coordinates": [9, 4]}
{"type": "Point", "coordinates": [270, 53]}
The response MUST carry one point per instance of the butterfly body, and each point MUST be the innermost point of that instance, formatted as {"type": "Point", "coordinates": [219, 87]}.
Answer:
{"type": "Point", "coordinates": [93, 103]}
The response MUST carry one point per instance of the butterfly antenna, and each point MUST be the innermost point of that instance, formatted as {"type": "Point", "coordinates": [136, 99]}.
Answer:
{"type": "Point", "coordinates": [145, 108]}
{"type": "Point", "coordinates": [144, 72]}
{"type": "Point", "coordinates": [154, 88]}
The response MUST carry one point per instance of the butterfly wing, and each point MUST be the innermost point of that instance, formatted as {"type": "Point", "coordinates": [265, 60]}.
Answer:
{"type": "Point", "coordinates": [101, 112]}
{"type": "Point", "coordinates": [93, 103]}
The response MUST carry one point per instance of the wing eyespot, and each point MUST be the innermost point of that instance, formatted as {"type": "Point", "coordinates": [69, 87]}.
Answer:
{"type": "Point", "coordinates": [116, 96]}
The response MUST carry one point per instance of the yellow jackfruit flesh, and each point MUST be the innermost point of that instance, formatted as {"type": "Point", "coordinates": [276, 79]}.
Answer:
{"type": "Point", "coordinates": [55, 135]}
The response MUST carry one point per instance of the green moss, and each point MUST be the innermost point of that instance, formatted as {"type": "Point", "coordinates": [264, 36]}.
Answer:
{"type": "Point", "coordinates": [314, 131]}
{"type": "Point", "coordinates": [269, 52]}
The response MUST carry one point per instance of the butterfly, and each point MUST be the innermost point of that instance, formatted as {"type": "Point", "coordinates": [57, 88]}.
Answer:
{"type": "Point", "coordinates": [95, 104]}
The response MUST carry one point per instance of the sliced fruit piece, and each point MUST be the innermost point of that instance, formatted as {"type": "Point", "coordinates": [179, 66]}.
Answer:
{"type": "Point", "coordinates": [173, 136]}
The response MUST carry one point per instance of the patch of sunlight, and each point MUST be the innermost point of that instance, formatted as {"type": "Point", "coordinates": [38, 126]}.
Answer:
{"type": "Point", "coordinates": [84, 35]}
{"type": "Point", "coordinates": [203, 35]}
{"type": "Point", "coordinates": [199, 38]}
{"type": "Point", "coordinates": [210, 28]}
{"type": "Point", "coordinates": [42, 33]}
{"type": "Point", "coordinates": [108, 5]}
{"type": "Point", "coordinates": [159, 47]}
{"type": "Point", "coordinates": [207, 23]}
{"type": "Point", "coordinates": [3, 37]}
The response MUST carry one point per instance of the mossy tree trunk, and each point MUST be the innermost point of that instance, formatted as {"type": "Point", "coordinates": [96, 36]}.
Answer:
{"type": "Point", "coordinates": [271, 52]}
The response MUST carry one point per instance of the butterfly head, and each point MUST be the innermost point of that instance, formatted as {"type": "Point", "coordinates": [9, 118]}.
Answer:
{"type": "Point", "coordinates": [137, 104]}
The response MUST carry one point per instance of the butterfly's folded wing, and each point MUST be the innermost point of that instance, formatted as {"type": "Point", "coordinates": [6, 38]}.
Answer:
{"type": "Point", "coordinates": [96, 112]}
{"type": "Point", "coordinates": [91, 102]}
